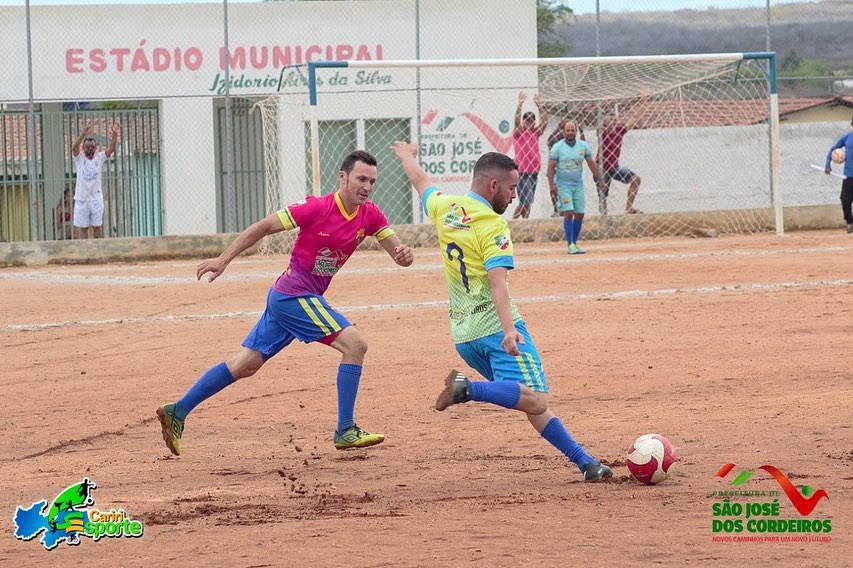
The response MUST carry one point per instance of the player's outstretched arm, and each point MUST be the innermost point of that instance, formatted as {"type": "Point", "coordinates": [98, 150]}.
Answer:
{"type": "Point", "coordinates": [500, 297]}
{"type": "Point", "coordinates": [75, 147]}
{"type": "Point", "coordinates": [114, 133]}
{"type": "Point", "coordinates": [408, 154]}
{"type": "Point", "coordinates": [398, 251]}
{"type": "Point", "coordinates": [216, 266]}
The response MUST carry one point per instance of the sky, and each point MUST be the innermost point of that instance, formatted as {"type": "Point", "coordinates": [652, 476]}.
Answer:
{"type": "Point", "coordinates": [578, 6]}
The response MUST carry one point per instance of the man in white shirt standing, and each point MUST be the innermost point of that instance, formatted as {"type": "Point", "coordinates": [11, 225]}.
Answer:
{"type": "Point", "coordinates": [88, 194]}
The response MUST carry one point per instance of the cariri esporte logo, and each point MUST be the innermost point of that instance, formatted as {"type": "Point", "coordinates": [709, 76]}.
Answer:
{"type": "Point", "coordinates": [759, 514]}
{"type": "Point", "coordinates": [71, 516]}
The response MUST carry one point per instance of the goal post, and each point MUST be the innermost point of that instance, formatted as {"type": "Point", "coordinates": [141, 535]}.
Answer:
{"type": "Point", "coordinates": [703, 134]}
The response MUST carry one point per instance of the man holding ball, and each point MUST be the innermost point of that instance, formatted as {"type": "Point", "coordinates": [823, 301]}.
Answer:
{"type": "Point", "coordinates": [844, 143]}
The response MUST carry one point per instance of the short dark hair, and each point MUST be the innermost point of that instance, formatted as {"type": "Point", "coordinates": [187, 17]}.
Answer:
{"type": "Point", "coordinates": [528, 116]}
{"type": "Point", "coordinates": [89, 139]}
{"type": "Point", "coordinates": [357, 156]}
{"type": "Point", "coordinates": [491, 161]}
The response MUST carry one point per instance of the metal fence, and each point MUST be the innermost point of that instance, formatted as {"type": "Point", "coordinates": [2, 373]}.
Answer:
{"type": "Point", "coordinates": [190, 154]}
{"type": "Point", "coordinates": [131, 179]}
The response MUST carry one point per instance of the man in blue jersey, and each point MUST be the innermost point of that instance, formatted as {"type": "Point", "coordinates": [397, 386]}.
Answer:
{"type": "Point", "coordinates": [565, 176]}
{"type": "Point", "coordinates": [845, 142]}
{"type": "Point", "coordinates": [486, 327]}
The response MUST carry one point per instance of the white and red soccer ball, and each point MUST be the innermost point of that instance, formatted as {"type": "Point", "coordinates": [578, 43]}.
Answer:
{"type": "Point", "coordinates": [650, 458]}
{"type": "Point", "coordinates": [839, 155]}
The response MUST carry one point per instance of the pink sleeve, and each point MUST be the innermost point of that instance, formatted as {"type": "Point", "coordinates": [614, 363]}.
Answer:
{"type": "Point", "coordinates": [304, 212]}
{"type": "Point", "coordinates": [377, 220]}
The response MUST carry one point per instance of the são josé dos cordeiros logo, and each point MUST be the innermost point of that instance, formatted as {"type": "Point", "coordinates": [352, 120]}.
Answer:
{"type": "Point", "coordinates": [755, 514]}
{"type": "Point", "coordinates": [72, 515]}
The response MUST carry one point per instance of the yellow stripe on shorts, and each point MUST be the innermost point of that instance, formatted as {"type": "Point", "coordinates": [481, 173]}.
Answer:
{"type": "Point", "coordinates": [313, 316]}
{"type": "Point", "coordinates": [532, 377]}
{"type": "Point", "coordinates": [538, 377]}
{"type": "Point", "coordinates": [324, 313]}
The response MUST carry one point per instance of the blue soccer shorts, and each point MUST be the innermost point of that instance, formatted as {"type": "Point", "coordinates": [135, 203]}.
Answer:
{"type": "Point", "coordinates": [490, 360]}
{"type": "Point", "coordinates": [571, 198]}
{"type": "Point", "coordinates": [620, 174]}
{"type": "Point", "coordinates": [306, 318]}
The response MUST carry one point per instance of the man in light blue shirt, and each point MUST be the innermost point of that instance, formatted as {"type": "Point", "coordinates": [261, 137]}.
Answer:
{"type": "Point", "coordinates": [565, 177]}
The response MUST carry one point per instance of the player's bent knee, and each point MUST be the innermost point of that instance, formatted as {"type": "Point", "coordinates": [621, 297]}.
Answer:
{"type": "Point", "coordinates": [245, 364]}
{"type": "Point", "coordinates": [351, 343]}
{"type": "Point", "coordinates": [536, 403]}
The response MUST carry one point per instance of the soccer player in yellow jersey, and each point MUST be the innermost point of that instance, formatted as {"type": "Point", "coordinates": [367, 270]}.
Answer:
{"type": "Point", "coordinates": [487, 329]}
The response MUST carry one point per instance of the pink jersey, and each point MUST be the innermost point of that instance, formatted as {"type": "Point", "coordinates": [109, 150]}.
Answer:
{"type": "Point", "coordinates": [611, 146]}
{"type": "Point", "coordinates": [526, 144]}
{"type": "Point", "coordinates": [327, 238]}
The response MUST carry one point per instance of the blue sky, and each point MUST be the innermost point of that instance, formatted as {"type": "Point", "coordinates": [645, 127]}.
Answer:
{"type": "Point", "coordinates": [579, 6]}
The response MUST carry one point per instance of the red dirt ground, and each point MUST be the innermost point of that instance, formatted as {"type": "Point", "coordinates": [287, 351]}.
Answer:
{"type": "Point", "coordinates": [736, 348]}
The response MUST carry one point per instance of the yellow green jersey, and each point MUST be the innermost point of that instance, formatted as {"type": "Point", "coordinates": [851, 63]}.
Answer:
{"type": "Point", "coordinates": [473, 239]}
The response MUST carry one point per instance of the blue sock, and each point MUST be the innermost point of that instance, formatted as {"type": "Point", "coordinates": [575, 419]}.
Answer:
{"type": "Point", "coordinates": [569, 228]}
{"type": "Point", "coordinates": [560, 438]}
{"type": "Point", "coordinates": [503, 394]}
{"type": "Point", "coordinates": [349, 375]}
{"type": "Point", "coordinates": [577, 229]}
{"type": "Point", "coordinates": [211, 382]}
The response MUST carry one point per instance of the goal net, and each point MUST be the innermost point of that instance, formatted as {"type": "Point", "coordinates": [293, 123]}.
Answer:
{"type": "Point", "coordinates": [700, 134]}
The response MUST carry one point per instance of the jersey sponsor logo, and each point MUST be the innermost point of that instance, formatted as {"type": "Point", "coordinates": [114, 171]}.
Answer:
{"type": "Point", "coordinates": [502, 242]}
{"type": "Point", "coordinates": [323, 234]}
{"type": "Point", "coordinates": [298, 203]}
{"type": "Point", "coordinates": [460, 315]}
{"type": "Point", "coordinates": [458, 218]}
{"type": "Point", "coordinates": [327, 263]}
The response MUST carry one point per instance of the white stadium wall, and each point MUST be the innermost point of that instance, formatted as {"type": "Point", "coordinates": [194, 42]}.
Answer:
{"type": "Point", "coordinates": [172, 53]}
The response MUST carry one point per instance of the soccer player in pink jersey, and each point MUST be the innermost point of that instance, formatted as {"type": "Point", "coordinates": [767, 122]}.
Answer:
{"type": "Point", "coordinates": [331, 228]}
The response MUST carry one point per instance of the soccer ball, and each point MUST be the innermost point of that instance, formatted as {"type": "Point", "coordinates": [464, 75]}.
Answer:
{"type": "Point", "coordinates": [650, 459]}
{"type": "Point", "coordinates": [839, 155]}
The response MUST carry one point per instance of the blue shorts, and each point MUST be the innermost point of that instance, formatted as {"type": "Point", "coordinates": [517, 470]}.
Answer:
{"type": "Point", "coordinates": [306, 318]}
{"type": "Point", "coordinates": [620, 174]}
{"type": "Point", "coordinates": [490, 360]}
{"type": "Point", "coordinates": [526, 187]}
{"type": "Point", "coordinates": [571, 198]}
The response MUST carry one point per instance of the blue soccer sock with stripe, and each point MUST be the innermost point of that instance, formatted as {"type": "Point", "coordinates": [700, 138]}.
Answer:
{"type": "Point", "coordinates": [504, 394]}
{"type": "Point", "coordinates": [211, 382]}
{"type": "Point", "coordinates": [560, 438]}
{"type": "Point", "coordinates": [576, 228]}
{"type": "Point", "coordinates": [569, 229]}
{"type": "Point", "coordinates": [349, 376]}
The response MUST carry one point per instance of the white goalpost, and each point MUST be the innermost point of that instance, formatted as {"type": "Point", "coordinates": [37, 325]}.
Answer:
{"type": "Point", "coordinates": [703, 134]}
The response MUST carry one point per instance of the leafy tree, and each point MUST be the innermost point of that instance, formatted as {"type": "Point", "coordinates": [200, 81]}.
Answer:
{"type": "Point", "coordinates": [549, 15]}
{"type": "Point", "coordinates": [806, 67]}
{"type": "Point", "coordinates": [790, 60]}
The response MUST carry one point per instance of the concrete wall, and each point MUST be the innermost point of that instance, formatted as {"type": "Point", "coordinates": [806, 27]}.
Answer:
{"type": "Point", "coordinates": [527, 230]}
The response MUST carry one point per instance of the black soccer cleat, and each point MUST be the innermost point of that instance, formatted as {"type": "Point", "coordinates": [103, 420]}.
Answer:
{"type": "Point", "coordinates": [457, 389]}
{"type": "Point", "coordinates": [594, 471]}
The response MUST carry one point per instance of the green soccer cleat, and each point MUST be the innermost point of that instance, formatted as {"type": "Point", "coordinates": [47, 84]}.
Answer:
{"type": "Point", "coordinates": [171, 427]}
{"type": "Point", "coordinates": [355, 437]}
{"type": "Point", "coordinates": [575, 249]}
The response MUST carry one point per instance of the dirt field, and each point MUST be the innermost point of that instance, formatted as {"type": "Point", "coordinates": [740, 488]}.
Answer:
{"type": "Point", "coordinates": [736, 348]}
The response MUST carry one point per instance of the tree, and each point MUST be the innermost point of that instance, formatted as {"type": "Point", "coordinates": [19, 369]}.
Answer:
{"type": "Point", "coordinates": [549, 15]}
